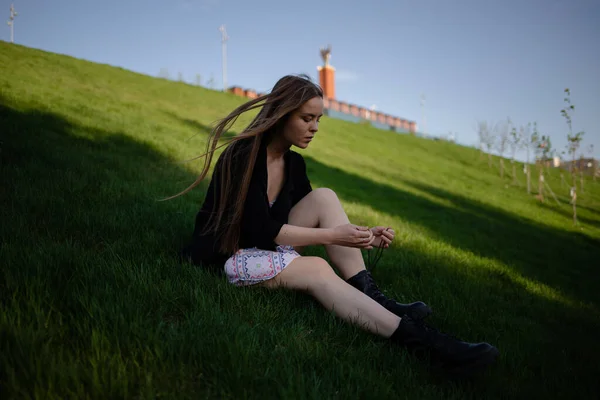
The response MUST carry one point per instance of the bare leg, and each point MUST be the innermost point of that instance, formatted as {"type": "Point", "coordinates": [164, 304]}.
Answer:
{"type": "Point", "coordinates": [315, 276]}
{"type": "Point", "coordinates": [321, 208]}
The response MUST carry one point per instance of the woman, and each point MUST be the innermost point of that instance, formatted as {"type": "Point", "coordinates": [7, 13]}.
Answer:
{"type": "Point", "coordinates": [260, 210]}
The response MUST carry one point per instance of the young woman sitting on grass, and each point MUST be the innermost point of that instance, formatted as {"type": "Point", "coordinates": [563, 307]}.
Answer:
{"type": "Point", "coordinates": [260, 210]}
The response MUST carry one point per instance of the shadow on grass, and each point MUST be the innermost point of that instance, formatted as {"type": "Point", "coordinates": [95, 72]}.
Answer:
{"type": "Point", "coordinates": [83, 185]}
{"type": "Point", "coordinates": [566, 210]}
{"type": "Point", "coordinates": [591, 210]}
{"type": "Point", "coordinates": [562, 260]}
{"type": "Point", "coordinates": [79, 187]}
{"type": "Point", "coordinates": [480, 303]}
{"type": "Point", "coordinates": [541, 355]}
{"type": "Point", "coordinates": [201, 128]}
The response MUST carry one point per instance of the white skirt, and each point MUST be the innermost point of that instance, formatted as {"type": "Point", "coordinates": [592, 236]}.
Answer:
{"type": "Point", "coordinates": [251, 266]}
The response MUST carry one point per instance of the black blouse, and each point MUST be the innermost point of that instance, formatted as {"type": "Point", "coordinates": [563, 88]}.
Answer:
{"type": "Point", "coordinates": [260, 223]}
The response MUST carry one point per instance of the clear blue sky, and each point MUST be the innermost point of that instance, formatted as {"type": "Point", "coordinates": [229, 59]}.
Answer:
{"type": "Point", "coordinates": [473, 59]}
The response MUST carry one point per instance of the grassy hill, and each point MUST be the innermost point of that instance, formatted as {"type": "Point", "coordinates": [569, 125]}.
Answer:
{"type": "Point", "coordinates": [95, 306]}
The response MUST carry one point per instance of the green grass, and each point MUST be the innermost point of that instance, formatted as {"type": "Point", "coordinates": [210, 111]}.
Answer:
{"type": "Point", "coordinates": [94, 304]}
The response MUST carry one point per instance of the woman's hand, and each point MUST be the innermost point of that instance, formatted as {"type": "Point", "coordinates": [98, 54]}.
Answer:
{"type": "Point", "coordinates": [351, 235]}
{"type": "Point", "coordinates": [383, 236]}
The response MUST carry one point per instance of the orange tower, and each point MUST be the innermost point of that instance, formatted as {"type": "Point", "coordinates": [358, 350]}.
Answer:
{"type": "Point", "coordinates": [327, 75]}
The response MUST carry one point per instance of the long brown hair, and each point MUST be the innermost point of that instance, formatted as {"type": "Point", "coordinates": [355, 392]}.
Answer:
{"type": "Point", "coordinates": [288, 94]}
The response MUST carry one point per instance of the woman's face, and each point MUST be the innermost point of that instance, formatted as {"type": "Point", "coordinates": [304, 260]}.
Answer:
{"type": "Point", "coordinates": [302, 124]}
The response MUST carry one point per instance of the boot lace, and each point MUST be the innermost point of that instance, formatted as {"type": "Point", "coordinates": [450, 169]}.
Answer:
{"type": "Point", "coordinates": [372, 288]}
{"type": "Point", "coordinates": [372, 261]}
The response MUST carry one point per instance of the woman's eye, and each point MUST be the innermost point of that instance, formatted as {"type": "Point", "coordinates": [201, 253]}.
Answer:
{"type": "Point", "coordinates": [307, 119]}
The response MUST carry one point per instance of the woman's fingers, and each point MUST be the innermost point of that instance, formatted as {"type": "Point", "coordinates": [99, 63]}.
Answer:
{"type": "Point", "coordinates": [365, 236]}
{"type": "Point", "coordinates": [363, 232]}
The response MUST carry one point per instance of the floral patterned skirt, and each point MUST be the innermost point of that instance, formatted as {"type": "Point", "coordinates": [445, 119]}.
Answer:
{"type": "Point", "coordinates": [251, 266]}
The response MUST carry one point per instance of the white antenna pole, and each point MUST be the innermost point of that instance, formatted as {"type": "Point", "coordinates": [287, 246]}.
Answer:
{"type": "Point", "coordinates": [224, 38]}
{"type": "Point", "coordinates": [423, 120]}
{"type": "Point", "coordinates": [11, 23]}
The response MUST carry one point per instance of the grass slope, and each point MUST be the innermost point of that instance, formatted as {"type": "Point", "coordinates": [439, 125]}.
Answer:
{"type": "Point", "coordinates": [94, 305]}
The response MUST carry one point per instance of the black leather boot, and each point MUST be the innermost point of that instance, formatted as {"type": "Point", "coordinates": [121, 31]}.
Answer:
{"type": "Point", "coordinates": [446, 353]}
{"type": "Point", "coordinates": [364, 282]}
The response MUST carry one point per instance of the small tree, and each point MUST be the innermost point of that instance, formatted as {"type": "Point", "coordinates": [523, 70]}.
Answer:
{"type": "Point", "coordinates": [515, 144]}
{"type": "Point", "coordinates": [164, 73]}
{"type": "Point", "coordinates": [574, 141]}
{"type": "Point", "coordinates": [503, 134]}
{"type": "Point", "coordinates": [211, 82]}
{"type": "Point", "coordinates": [529, 142]}
{"type": "Point", "coordinates": [545, 146]}
{"type": "Point", "coordinates": [581, 166]}
{"type": "Point", "coordinates": [198, 80]}
{"type": "Point", "coordinates": [547, 150]}
{"type": "Point", "coordinates": [481, 129]}
{"type": "Point", "coordinates": [489, 138]}
{"type": "Point", "coordinates": [538, 149]}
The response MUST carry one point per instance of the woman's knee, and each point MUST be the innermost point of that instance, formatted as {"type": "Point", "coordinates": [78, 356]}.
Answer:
{"type": "Point", "coordinates": [304, 273]}
{"type": "Point", "coordinates": [319, 274]}
{"type": "Point", "coordinates": [318, 267]}
{"type": "Point", "coordinates": [309, 211]}
{"type": "Point", "coordinates": [325, 194]}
